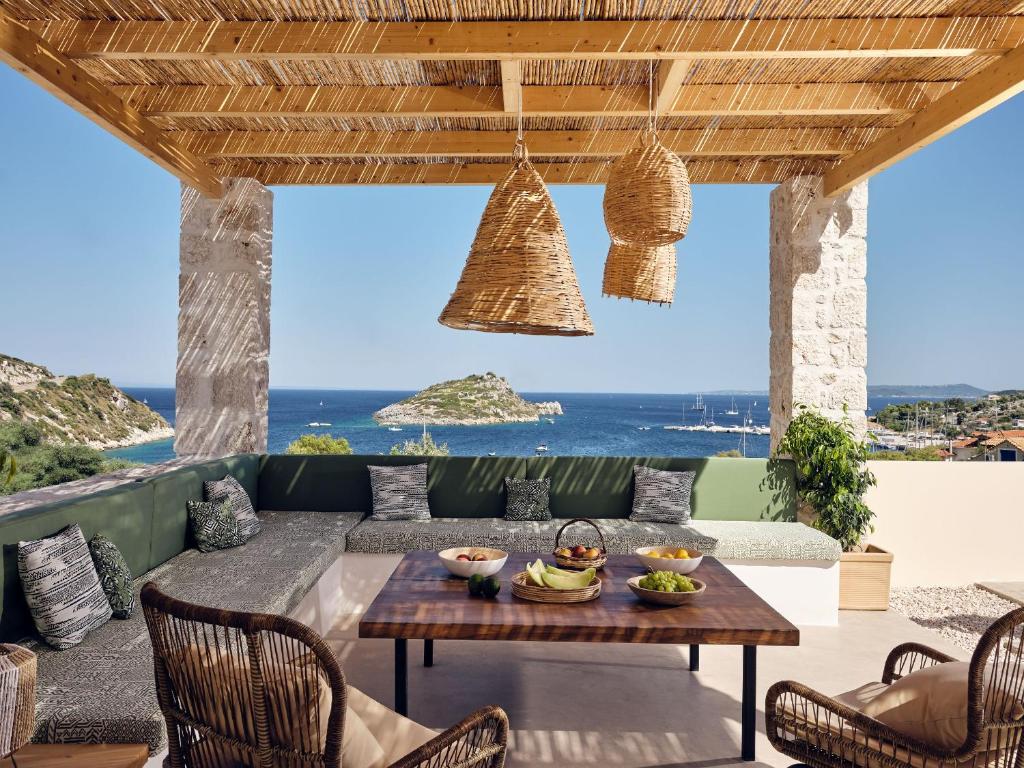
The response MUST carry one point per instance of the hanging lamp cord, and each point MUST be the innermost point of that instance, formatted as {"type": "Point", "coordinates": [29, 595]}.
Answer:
{"type": "Point", "coordinates": [652, 107]}
{"type": "Point", "coordinates": [519, 154]}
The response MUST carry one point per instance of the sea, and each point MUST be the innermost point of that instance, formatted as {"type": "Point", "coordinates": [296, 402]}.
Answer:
{"type": "Point", "coordinates": [594, 424]}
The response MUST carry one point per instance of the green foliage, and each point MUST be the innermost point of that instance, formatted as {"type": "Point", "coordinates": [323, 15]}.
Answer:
{"type": "Point", "coordinates": [730, 454]}
{"type": "Point", "coordinates": [319, 444]}
{"type": "Point", "coordinates": [422, 447]}
{"type": "Point", "coordinates": [831, 476]}
{"type": "Point", "coordinates": [927, 453]}
{"type": "Point", "coordinates": [8, 466]}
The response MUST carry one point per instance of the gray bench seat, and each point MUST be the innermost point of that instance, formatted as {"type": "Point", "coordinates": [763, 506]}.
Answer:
{"type": "Point", "coordinates": [725, 539]}
{"type": "Point", "coordinates": [103, 690]}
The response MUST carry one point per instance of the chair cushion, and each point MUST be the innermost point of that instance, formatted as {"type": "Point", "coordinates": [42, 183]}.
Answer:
{"type": "Point", "coordinates": [527, 499]}
{"type": "Point", "coordinates": [725, 539]}
{"type": "Point", "coordinates": [359, 748]}
{"type": "Point", "coordinates": [396, 735]}
{"type": "Point", "coordinates": [399, 493]}
{"type": "Point", "coordinates": [931, 704]}
{"type": "Point", "coordinates": [661, 496]}
{"type": "Point", "coordinates": [115, 577]}
{"type": "Point", "coordinates": [62, 588]}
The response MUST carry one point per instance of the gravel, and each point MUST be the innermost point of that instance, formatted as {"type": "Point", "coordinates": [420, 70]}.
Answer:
{"type": "Point", "coordinates": [959, 614]}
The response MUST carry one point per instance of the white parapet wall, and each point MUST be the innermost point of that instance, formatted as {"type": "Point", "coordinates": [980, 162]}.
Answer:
{"type": "Point", "coordinates": [949, 523]}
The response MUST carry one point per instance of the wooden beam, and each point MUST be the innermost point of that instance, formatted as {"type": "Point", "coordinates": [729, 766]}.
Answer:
{"type": "Point", "coordinates": [704, 39]}
{"type": "Point", "coordinates": [43, 64]}
{"type": "Point", "coordinates": [671, 75]}
{"type": "Point", "coordinates": [993, 85]}
{"type": "Point", "coordinates": [689, 143]}
{"type": "Point", "coordinates": [701, 172]}
{"type": "Point", "coordinates": [511, 84]}
{"type": "Point", "coordinates": [538, 101]}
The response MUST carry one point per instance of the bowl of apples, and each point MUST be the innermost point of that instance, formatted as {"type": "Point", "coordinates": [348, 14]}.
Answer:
{"type": "Point", "coordinates": [671, 558]}
{"type": "Point", "coordinates": [468, 561]}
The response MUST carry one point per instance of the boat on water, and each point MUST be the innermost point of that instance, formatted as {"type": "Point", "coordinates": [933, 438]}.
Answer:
{"type": "Point", "coordinates": [321, 403]}
{"type": "Point", "coordinates": [319, 424]}
{"type": "Point", "coordinates": [733, 411]}
{"type": "Point", "coordinates": [145, 401]}
{"type": "Point", "coordinates": [698, 404]}
{"type": "Point", "coordinates": [643, 429]}
{"type": "Point", "coordinates": [394, 429]}
{"type": "Point", "coordinates": [492, 453]}
{"type": "Point", "coordinates": [549, 421]}
{"type": "Point", "coordinates": [542, 448]}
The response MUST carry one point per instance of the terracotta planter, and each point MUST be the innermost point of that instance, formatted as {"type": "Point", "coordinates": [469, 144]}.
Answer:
{"type": "Point", "coordinates": [864, 579]}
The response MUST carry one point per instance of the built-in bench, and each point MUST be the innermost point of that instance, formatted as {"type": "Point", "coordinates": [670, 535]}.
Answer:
{"type": "Point", "coordinates": [318, 556]}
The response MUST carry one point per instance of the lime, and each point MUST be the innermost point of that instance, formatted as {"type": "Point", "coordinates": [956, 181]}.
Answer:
{"type": "Point", "coordinates": [491, 587]}
{"type": "Point", "coordinates": [476, 585]}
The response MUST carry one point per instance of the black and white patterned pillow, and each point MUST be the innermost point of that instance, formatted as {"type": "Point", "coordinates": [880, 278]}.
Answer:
{"type": "Point", "coordinates": [214, 526]}
{"type": "Point", "coordinates": [230, 490]}
{"type": "Point", "coordinates": [660, 496]}
{"type": "Point", "coordinates": [399, 493]}
{"type": "Point", "coordinates": [528, 499]}
{"type": "Point", "coordinates": [115, 576]}
{"type": "Point", "coordinates": [62, 588]}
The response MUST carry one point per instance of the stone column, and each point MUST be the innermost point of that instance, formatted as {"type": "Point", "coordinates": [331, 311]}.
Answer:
{"type": "Point", "coordinates": [818, 314]}
{"type": "Point", "coordinates": [224, 321]}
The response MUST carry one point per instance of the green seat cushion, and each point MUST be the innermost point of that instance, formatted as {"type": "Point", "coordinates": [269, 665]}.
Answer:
{"type": "Point", "coordinates": [458, 486]}
{"type": "Point", "coordinates": [123, 514]}
{"type": "Point", "coordinates": [724, 488]}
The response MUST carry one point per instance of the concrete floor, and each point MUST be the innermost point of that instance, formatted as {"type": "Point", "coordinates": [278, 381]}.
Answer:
{"type": "Point", "coordinates": [623, 705]}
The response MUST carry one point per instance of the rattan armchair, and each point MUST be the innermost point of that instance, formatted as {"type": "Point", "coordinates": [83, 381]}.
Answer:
{"type": "Point", "coordinates": [248, 689]}
{"type": "Point", "coordinates": [822, 732]}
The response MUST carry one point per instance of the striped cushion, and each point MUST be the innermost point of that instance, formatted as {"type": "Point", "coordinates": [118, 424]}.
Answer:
{"type": "Point", "coordinates": [399, 493]}
{"type": "Point", "coordinates": [62, 588]}
{"type": "Point", "coordinates": [660, 496]}
{"type": "Point", "coordinates": [230, 490]}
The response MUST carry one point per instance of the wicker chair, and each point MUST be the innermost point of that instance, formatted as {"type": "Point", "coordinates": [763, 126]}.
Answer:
{"type": "Point", "coordinates": [248, 689]}
{"type": "Point", "coordinates": [823, 732]}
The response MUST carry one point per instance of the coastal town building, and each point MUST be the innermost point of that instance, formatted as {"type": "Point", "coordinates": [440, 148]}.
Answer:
{"type": "Point", "coordinates": [1001, 445]}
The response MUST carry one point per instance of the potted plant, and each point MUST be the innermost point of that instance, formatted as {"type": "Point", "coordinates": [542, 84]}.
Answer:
{"type": "Point", "coordinates": [832, 478]}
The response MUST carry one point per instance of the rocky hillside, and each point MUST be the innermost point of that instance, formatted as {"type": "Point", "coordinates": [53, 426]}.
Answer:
{"type": "Point", "coordinates": [75, 409]}
{"type": "Point", "coordinates": [476, 399]}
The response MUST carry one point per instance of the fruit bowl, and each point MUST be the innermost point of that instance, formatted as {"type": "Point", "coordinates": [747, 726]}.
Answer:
{"type": "Point", "coordinates": [681, 565]}
{"type": "Point", "coordinates": [666, 598]}
{"type": "Point", "coordinates": [580, 557]}
{"type": "Point", "coordinates": [465, 568]}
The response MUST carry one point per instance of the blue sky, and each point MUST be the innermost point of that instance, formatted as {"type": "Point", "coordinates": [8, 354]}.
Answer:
{"type": "Point", "coordinates": [89, 262]}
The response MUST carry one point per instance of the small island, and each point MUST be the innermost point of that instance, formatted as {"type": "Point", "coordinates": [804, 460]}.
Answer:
{"type": "Point", "coordinates": [476, 399]}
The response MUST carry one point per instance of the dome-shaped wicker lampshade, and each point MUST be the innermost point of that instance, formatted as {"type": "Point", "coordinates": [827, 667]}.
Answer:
{"type": "Point", "coordinates": [647, 198]}
{"type": "Point", "coordinates": [641, 272]}
{"type": "Point", "coordinates": [519, 277]}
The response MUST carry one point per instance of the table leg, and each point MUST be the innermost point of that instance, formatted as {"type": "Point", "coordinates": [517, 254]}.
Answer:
{"type": "Point", "coordinates": [694, 657]}
{"type": "Point", "coordinates": [749, 716]}
{"type": "Point", "coordinates": [428, 653]}
{"type": "Point", "coordinates": [401, 676]}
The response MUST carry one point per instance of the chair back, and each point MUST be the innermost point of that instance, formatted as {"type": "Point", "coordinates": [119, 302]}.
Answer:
{"type": "Point", "coordinates": [995, 690]}
{"type": "Point", "coordinates": [243, 689]}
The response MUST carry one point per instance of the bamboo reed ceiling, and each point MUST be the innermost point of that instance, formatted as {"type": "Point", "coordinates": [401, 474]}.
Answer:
{"type": "Point", "coordinates": [345, 92]}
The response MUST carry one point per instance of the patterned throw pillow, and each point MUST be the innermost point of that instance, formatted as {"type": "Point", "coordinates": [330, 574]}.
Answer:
{"type": "Point", "coordinates": [230, 490]}
{"type": "Point", "coordinates": [528, 499]}
{"type": "Point", "coordinates": [399, 493]}
{"type": "Point", "coordinates": [115, 576]}
{"type": "Point", "coordinates": [61, 587]}
{"type": "Point", "coordinates": [214, 526]}
{"type": "Point", "coordinates": [660, 496]}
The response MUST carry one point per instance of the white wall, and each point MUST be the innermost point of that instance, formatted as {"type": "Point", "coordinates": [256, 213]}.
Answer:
{"type": "Point", "coordinates": [950, 522]}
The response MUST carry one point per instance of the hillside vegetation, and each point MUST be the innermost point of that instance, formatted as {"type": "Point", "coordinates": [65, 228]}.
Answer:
{"type": "Point", "coordinates": [476, 399]}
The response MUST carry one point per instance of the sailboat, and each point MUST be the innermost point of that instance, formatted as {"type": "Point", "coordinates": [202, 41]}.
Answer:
{"type": "Point", "coordinates": [698, 405]}
{"type": "Point", "coordinates": [732, 409]}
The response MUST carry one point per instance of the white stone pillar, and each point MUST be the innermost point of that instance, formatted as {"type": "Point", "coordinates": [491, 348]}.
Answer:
{"type": "Point", "coordinates": [818, 314]}
{"type": "Point", "coordinates": [224, 321]}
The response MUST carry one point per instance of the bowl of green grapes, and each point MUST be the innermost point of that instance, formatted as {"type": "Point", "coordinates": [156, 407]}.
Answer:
{"type": "Point", "coordinates": [666, 588]}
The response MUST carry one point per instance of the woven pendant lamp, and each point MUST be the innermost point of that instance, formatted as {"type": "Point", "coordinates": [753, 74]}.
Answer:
{"type": "Point", "coordinates": [647, 199]}
{"type": "Point", "coordinates": [519, 277]}
{"type": "Point", "coordinates": [641, 272]}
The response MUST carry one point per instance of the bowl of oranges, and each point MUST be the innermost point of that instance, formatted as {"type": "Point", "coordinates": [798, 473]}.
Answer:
{"type": "Point", "coordinates": [670, 558]}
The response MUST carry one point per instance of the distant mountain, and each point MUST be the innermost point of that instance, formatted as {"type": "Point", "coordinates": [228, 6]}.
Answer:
{"type": "Point", "coordinates": [476, 399]}
{"type": "Point", "coordinates": [83, 409]}
{"type": "Point", "coordinates": [938, 391]}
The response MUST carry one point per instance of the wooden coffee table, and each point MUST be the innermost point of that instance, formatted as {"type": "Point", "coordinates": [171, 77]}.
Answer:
{"type": "Point", "coordinates": [421, 601]}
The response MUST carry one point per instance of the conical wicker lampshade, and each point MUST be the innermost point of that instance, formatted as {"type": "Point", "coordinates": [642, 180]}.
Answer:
{"type": "Point", "coordinates": [647, 198]}
{"type": "Point", "coordinates": [519, 277]}
{"type": "Point", "coordinates": [641, 272]}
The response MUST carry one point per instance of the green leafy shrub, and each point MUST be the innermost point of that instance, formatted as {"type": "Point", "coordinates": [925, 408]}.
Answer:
{"type": "Point", "coordinates": [831, 476]}
{"type": "Point", "coordinates": [927, 453]}
{"type": "Point", "coordinates": [319, 444]}
{"type": "Point", "coordinates": [730, 454]}
{"type": "Point", "coordinates": [425, 446]}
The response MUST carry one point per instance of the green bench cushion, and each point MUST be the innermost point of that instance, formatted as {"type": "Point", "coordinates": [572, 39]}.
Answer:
{"type": "Point", "coordinates": [458, 486]}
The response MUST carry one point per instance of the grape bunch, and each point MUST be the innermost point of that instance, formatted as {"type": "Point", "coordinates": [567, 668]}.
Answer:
{"type": "Point", "coordinates": [666, 581]}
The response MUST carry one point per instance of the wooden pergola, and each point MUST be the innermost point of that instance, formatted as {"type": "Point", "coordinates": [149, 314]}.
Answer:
{"type": "Point", "coordinates": [297, 92]}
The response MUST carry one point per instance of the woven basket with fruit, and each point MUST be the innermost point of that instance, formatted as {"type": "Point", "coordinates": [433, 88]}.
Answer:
{"type": "Point", "coordinates": [580, 557]}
